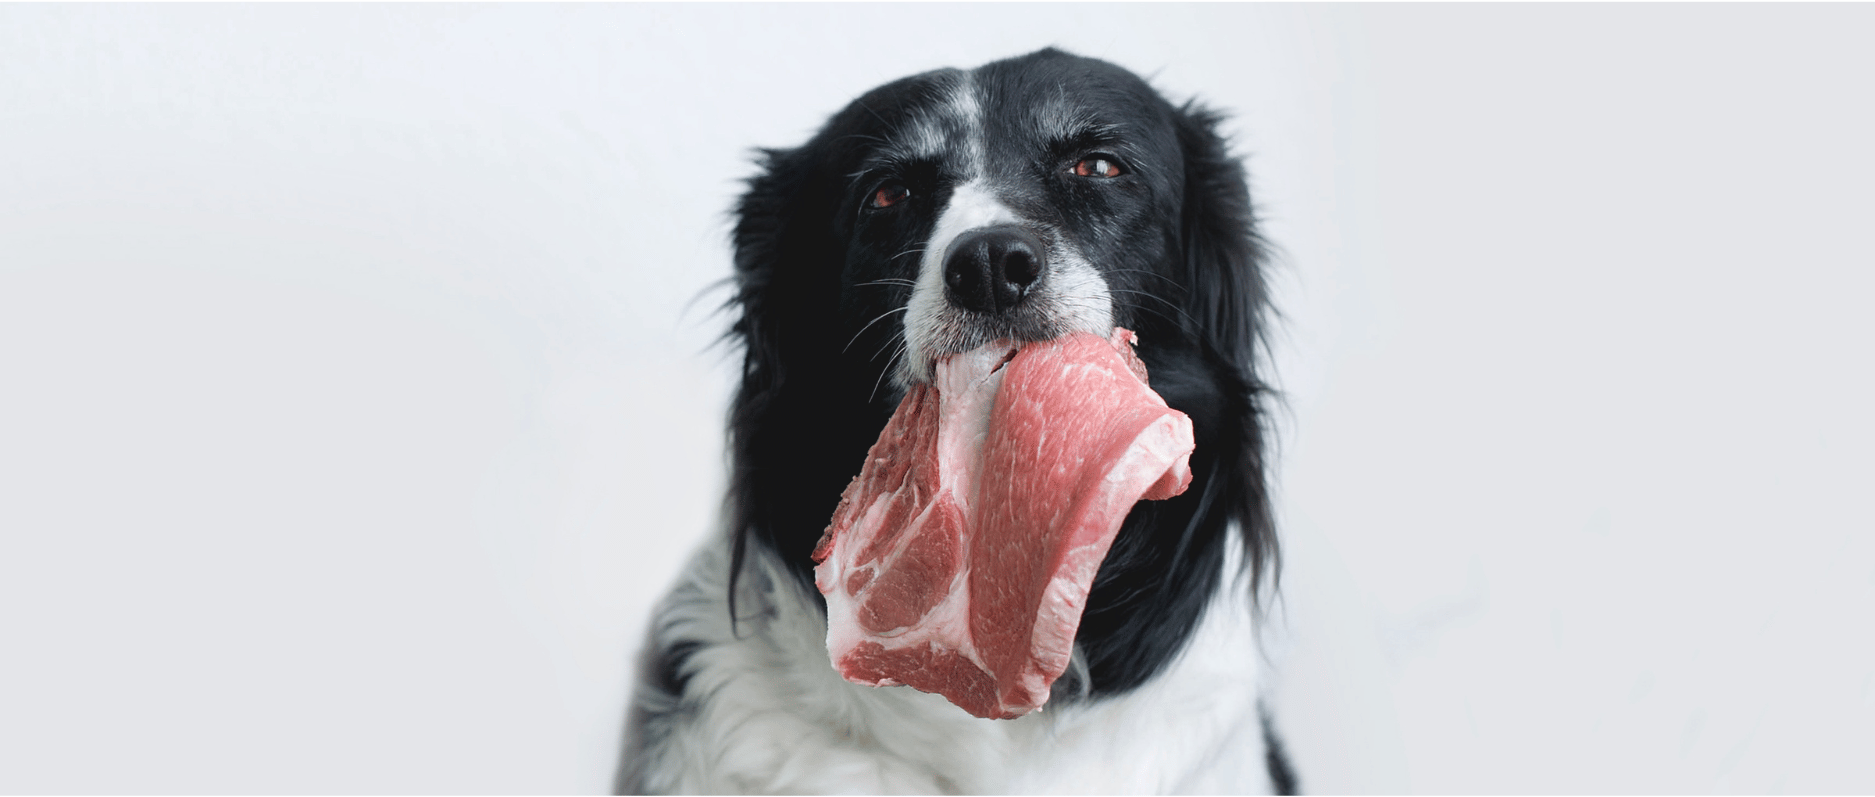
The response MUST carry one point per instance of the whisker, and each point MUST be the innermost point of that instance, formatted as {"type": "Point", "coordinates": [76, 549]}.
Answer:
{"type": "Point", "coordinates": [1145, 309]}
{"type": "Point", "coordinates": [889, 342]}
{"type": "Point", "coordinates": [1147, 294]}
{"type": "Point", "coordinates": [1145, 272]}
{"type": "Point", "coordinates": [889, 365]}
{"type": "Point", "coordinates": [862, 330]}
{"type": "Point", "coordinates": [1161, 300]}
{"type": "Point", "coordinates": [875, 114]}
{"type": "Point", "coordinates": [889, 281]}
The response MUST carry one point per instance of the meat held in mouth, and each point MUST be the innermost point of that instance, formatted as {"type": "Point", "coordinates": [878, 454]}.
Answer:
{"type": "Point", "coordinates": [959, 560]}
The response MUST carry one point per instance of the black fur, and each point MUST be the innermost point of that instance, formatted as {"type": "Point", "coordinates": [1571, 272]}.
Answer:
{"type": "Point", "coordinates": [1276, 757]}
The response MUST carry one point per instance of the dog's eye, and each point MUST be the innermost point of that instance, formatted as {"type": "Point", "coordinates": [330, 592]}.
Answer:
{"type": "Point", "coordinates": [1097, 166]}
{"type": "Point", "coordinates": [889, 194]}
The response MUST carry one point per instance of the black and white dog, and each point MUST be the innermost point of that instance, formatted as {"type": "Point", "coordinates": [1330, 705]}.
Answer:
{"type": "Point", "coordinates": [1026, 199]}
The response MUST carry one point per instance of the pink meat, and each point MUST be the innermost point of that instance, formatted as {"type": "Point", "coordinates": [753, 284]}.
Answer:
{"type": "Point", "coordinates": [959, 560]}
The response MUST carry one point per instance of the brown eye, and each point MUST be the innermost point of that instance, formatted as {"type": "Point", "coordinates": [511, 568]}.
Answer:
{"type": "Point", "coordinates": [1097, 166]}
{"type": "Point", "coordinates": [889, 194]}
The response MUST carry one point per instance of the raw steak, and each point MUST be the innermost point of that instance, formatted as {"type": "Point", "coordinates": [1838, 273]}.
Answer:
{"type": "Point", "coordinates": [960, 558]}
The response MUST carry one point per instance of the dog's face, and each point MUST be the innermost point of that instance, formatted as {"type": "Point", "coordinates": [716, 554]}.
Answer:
{"type": "Point", "coordinates": [1026, 199]}
{"type": "Point", "coordinates": [1018, 201]}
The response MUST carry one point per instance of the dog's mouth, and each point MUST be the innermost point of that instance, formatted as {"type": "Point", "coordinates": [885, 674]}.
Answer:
{"type": "Point", "coordinates": [977, 289]}
{"type": "Point", "coordinates": [955, 333]}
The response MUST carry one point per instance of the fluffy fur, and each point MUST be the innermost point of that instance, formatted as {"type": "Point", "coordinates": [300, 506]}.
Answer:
{"type": "Point", "coordinates": [851, 281]}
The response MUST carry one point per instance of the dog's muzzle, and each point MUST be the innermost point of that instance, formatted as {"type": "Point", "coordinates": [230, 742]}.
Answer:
{"type": "Point", "coordinates": [993, 269]}
{"type": "Point", "coordinates": [986, 275]}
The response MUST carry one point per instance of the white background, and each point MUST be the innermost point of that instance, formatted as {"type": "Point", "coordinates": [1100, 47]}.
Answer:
{"type": "Point", "coordinates": [357, 401]}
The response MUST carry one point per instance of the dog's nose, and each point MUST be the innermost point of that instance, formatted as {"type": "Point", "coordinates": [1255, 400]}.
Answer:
{"type": "Point", "coordinates": [991, 269]}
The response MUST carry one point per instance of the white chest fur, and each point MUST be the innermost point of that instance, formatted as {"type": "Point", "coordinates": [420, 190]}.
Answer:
{"type": "Point", "coordinates": [763, 711]}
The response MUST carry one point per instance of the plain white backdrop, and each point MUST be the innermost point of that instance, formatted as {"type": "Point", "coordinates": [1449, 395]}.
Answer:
{"type": "Point", "coordinates": [357, 399]}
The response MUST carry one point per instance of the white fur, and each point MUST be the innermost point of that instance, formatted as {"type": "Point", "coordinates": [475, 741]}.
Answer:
{"type": "Point", "coordinates": [969, 108]}
{"type": "Point", "coordinates": [778, 718]}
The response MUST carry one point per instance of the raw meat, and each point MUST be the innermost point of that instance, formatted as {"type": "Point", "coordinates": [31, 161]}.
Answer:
{"type": "Point", "coordinates": [959, 560]}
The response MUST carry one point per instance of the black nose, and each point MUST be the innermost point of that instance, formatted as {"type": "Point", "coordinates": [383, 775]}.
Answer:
{"type": "Point", "coordinates": [991, 269]}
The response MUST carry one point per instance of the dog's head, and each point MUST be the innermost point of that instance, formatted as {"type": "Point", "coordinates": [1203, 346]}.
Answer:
{"type": "Point", "coordinates": [1026, 199]}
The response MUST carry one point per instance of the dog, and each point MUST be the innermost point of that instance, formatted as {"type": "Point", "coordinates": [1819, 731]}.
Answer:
{"type": "Point", "coordinates": [1026, 199]}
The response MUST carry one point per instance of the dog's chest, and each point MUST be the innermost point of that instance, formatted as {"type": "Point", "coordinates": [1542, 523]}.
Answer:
{"type": "Point", "coordinates": [779, 719]}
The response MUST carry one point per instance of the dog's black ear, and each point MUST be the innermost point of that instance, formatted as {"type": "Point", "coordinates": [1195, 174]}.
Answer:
{"type": "Point", "coordinates": [768, 239]}
{"type": "Point", "coordinates": [1224, 258]}
{"type": "Point", "coordinates": [787, 271]}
